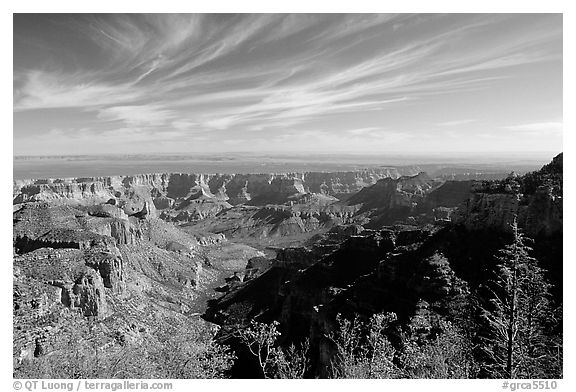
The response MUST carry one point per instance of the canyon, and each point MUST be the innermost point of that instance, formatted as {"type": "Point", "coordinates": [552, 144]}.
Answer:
{"type": "Point", "coordinates": [118, 254]}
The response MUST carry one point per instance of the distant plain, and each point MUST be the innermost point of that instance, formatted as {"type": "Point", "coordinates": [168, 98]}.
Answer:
{"type": "Point", "coordinates": [38, 167]}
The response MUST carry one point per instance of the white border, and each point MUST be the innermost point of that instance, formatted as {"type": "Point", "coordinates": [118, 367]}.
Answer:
{"type": "Point", "coordinates": [308, 6]}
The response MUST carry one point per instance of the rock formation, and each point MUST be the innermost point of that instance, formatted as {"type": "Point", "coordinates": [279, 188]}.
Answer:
{"type": "Point", "coordinates": [534, 199]}
{"type": "Point", "coordinates": [117, 254]}
{"type": "Point", "coordinates": [409, 271]}
{"type": "Point", "coordinates": [237, 188]}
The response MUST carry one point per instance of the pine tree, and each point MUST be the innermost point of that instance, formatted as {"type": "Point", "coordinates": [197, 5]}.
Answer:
{"type": "Point", "coordinates": [518, 345]}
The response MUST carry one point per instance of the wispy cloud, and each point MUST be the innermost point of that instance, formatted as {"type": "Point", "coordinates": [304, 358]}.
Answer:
{"type": "Point", "coordinates": [137, 115]}
{"type": "Point", "coordinates": [545, 127]}
{"type": "Point", "coordinates": [187, 73]}
{"type": "Point", "coordinates": [54, 90]}
{"type": "Point", "coordinates": [455, 123]}
{"type": "Point", "coordinates": [362, 131]}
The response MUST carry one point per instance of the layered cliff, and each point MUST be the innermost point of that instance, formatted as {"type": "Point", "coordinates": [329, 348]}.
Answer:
{"type": "Point", "coordinates": [411, 200]}
{"type": "Point", "coordinates": [116, 252]}
{"type": "Point", "coordinates": [534, 200]}
{"type": "Point", "coordinates": [351, 270]}
{"type": "Point", "coordinates": [236, 188]}
{"type": "Point", "coordinates": [94, 266]}
{"type": "Point", "coordinates": [391, 193]}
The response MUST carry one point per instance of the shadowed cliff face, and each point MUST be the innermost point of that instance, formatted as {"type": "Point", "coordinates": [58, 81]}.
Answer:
{"type": "Point", "coordinates": [305, 288]}
{"type": "Point", "coordinates": [412, 200]}
{"type": "Point", "coordinates": [123, 250]}
{"type": "Point", "coordinates": [534, 199]}
{"type": "Point", "coordinates": [390, 193]}
{"type": "Point", "coordinates": [357, 271]}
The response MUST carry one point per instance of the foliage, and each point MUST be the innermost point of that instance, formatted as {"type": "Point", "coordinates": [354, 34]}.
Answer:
{"type": "Point", "coordinates": [519, 314]}
{"type": "Point", "coordinates": [361, 354]}
{"type": "Point", "coordinates": [274, 362]}
{"type": "Point", "coordinates": [174, 350]}
{"type": "Point", "coordinates": [364, 351]}
{"type": "Point", "coordinates": [449, 354]}
{"type": "Point", "coordinates": [293, 362]}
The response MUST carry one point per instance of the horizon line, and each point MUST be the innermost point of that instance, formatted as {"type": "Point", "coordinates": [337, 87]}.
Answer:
{"type": "Point", "coordinates": [284, 153]}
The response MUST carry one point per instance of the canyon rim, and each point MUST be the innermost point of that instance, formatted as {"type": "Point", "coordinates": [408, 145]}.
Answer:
{"type": "Point", "coordinates": [287, 196]}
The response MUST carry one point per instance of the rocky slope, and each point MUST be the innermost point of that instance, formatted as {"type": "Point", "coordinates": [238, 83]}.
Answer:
{"type": "Point", "coordinates": [112, 253]}
{"type": "Point", "coordinates": [183, 198]}
{"type": "Point", "coordinates": [108, 269]}
{"type": "Point", "coordinates": [305, 288]}
{"type": "Point", "coordinates": [428, 270]}
{"type": "Point", "coordinates": [260, 206]}
{"type": "Point", "coordinates": [412, 200]}
{"type": "Point", "coordinates": [534, 199]}
{"type": "Point", "coordinates": [100, 250]}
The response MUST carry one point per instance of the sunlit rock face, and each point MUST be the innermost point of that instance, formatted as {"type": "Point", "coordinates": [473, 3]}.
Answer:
{"type": "Point", "coordinates": [115, 253]}
{"type": "Point", "coordinates": [411, 270]}
{"type": "Point", "coordinates": [134, 190]}
{"type": "Point", "coordinates": [534, 200]}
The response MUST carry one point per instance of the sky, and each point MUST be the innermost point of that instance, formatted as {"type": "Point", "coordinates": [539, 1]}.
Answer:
{"type": "Point", "coordinates": [261, 83]}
